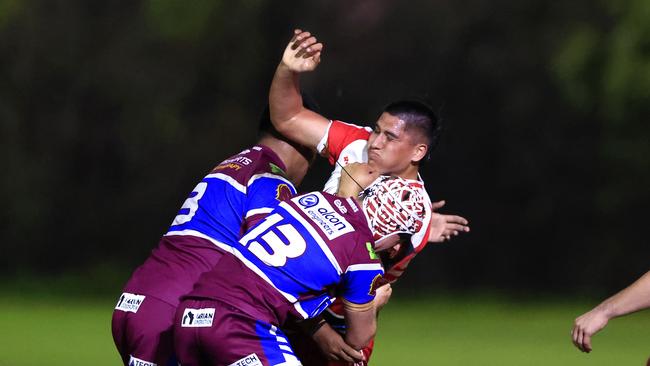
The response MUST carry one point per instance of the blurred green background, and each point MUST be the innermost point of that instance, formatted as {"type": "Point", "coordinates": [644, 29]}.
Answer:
{"type": "Point", "coordinates": [110, 111]}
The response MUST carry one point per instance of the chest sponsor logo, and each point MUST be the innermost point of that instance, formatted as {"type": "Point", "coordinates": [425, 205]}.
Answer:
{"type": "Point", "coordinates": [129, 302]}
{"type": "Point", "coordinates": [250, 360]}
{"type": "Point", "coordinates": [133, 361]}
{"type": "Point", "coordinates": [308, 201]}
{"type": "Point", "coordinates": [196, 318]}
{"type": "Point", "coordinates": [331, 223]}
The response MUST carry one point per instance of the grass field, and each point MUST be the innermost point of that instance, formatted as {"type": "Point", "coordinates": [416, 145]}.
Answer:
{"type": "Point", "coordinates": [464, 331]}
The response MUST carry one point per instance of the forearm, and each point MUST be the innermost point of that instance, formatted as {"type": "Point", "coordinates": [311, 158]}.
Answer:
{"type": "Point", "coordinates": [633, 298]}
{"type": "Point", "coordinates": [285, 101]}
{"type": "Point", "coordinates": [359, 337]}
{"type": "Point", "coordinates": [361, 327]}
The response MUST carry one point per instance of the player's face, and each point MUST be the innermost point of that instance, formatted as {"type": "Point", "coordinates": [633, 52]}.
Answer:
{"type": "Point", "coordinates": [391, 150]}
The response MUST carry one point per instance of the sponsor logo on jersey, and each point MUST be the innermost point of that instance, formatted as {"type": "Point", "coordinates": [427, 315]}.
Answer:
{"type": "Point", "coordinates": [129, 302]}
{"type": "Point", "coordinates": [133, 361]}
{"type": "Point", "coordinates": [226, 166]}
{"type": "Point", "coordinates": [283, 192]}
{"type": "Point", "coordinates": [195, 318]}
{"type": "Point", "coordinates": [352, 204]}
{"type": "Point", "coordinates": [250, 360]}
{"type": "Point", "coordinates": [308, 201]}
{"type": "Point", "coordinates": [331, 223]}
{"type": "Point", "coordinates": [371, 251]}
{"type": "Point", "coordinates": [239, 160]}
{"type": "Point", "coordinates": [340, 206]}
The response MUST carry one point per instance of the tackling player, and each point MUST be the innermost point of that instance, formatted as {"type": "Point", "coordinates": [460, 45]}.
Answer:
{"type": "Point", "coordinates": [309, 250]}
{"type": "Point", "coordinates": [231, 198]}
{"type": "Point", "coordinates": [402, 138]}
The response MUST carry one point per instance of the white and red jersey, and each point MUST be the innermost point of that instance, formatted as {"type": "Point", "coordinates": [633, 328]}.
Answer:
{"type": "Point", "coordinates": [344, 144]}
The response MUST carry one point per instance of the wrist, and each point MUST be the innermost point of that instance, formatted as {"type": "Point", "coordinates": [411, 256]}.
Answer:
{"type": "Point", "coordinates": [317, 327]}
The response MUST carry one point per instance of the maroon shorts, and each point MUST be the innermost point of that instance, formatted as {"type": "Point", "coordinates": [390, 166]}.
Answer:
{"type": "Point", "coordinates": [210, 332]}
{"type": "Point", "coordinates": [142, 330]}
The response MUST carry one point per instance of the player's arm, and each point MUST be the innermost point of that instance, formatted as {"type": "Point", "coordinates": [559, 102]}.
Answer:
{"type": "Point", "coordinates": [354, 178]}
{"type": "Point", "coordinates": [633, 298]}
{"type": "Point", "coordinates": [330, 341]}
{"type": "Point", "coordinates": [360, 282]}
{"type": "Point", "coordinates": [288, 115]}
{"type": "Point", "coordinates": [361, 323]}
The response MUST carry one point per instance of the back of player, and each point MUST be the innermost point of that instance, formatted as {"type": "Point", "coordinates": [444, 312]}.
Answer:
{"type": "Point", "coordinates": [235, 194]}
{"type": "Point", "coordinates": [308, 251]}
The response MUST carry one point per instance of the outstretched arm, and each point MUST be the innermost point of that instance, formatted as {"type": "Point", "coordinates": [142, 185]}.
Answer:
{"type": "Point", "coordinates": [288, 115]}
{"type": "Point", "coordinates": [633, 298]}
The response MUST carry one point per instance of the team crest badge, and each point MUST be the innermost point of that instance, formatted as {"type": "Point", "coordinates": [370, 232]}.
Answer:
{"type": "Point", "coordinates": [283, 192]}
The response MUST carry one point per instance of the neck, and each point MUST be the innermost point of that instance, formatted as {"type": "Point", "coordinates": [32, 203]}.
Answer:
{"type": "Point", "coordinates": [294, 162]}
{"type": "Point", "coordinates": [410, 172]}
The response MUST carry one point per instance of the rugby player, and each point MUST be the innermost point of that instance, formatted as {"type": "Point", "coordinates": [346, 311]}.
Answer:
{"type": "Point", "coordinates": [310, 250]}
{"type": "Point", "coordinates": [402, 138]}
{"type": "Point", "coordinates": [235, 195]}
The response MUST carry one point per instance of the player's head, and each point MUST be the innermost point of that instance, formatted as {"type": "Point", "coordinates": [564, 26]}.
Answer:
{"type": "Point", "coordinates": [395, 210]}
{"type": "Point", "coordinates": [403, 136]}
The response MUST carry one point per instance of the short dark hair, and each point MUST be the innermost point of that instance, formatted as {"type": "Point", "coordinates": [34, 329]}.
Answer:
{"type": "Point", "coordinates": [418, 116]}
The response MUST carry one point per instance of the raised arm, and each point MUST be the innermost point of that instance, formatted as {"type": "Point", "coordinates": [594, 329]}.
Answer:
{"type": "Point", "coordinates": [288, 115]}
{"type": "Point", "coordinates": [633, 298]}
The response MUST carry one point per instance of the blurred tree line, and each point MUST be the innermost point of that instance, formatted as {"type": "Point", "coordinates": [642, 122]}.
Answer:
{"type": "Point", "coordinates": [111, 111]}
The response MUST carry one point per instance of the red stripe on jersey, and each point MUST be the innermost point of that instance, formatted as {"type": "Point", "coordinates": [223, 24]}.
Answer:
{"type": "Point", "coordinates": [341, 135]}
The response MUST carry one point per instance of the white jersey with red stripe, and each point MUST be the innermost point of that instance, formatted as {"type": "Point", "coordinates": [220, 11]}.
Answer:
{"type": "Point", "coordinates": [344, 144]}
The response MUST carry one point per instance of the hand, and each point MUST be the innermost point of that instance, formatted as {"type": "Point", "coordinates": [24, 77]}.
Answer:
{"type": "Point", "coordinates": [354, 178]}
{"type": "Point", "coordinates": [444, 226]}
{"type": "Point", "coordinates": [334, 346]}
{"type": "Point", "coordinates": [587, 325]}
{"type": "Point", "coordinates": [382, 295]}
{"type": "Point", "coordinates": [302, 53]}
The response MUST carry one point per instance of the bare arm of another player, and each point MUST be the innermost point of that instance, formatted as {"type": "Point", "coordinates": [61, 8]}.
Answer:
{"type": "Point", "coordinates": [361, 325]}
{"type": "Point", "coordinates": [633, 298]}
{"type": "Point", "coordinates": [354, 178]}
{"type": "Point", "coordinates": [288, 115]}
{"type": "Point", "coordinates": [334, 346]}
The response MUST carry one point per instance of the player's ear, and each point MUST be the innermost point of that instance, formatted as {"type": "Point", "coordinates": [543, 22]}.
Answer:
{"type": "Point", "coordinates": [419, 152]}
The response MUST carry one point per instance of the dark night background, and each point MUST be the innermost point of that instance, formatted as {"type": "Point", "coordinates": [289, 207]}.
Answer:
{"type": "Point", "coordinates": [111, 111]}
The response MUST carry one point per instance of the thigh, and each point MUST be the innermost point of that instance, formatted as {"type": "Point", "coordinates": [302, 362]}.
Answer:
{"type": "Point", "coordinates": [142, 330]}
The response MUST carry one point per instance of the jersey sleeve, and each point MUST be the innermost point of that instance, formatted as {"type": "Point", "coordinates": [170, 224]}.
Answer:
{"type": "Point", "coordinates": [361, 278]}
{"type": "Point", "coordinates": [340, 135]}
{"type": "Point", "coordinates": [264, 192]}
